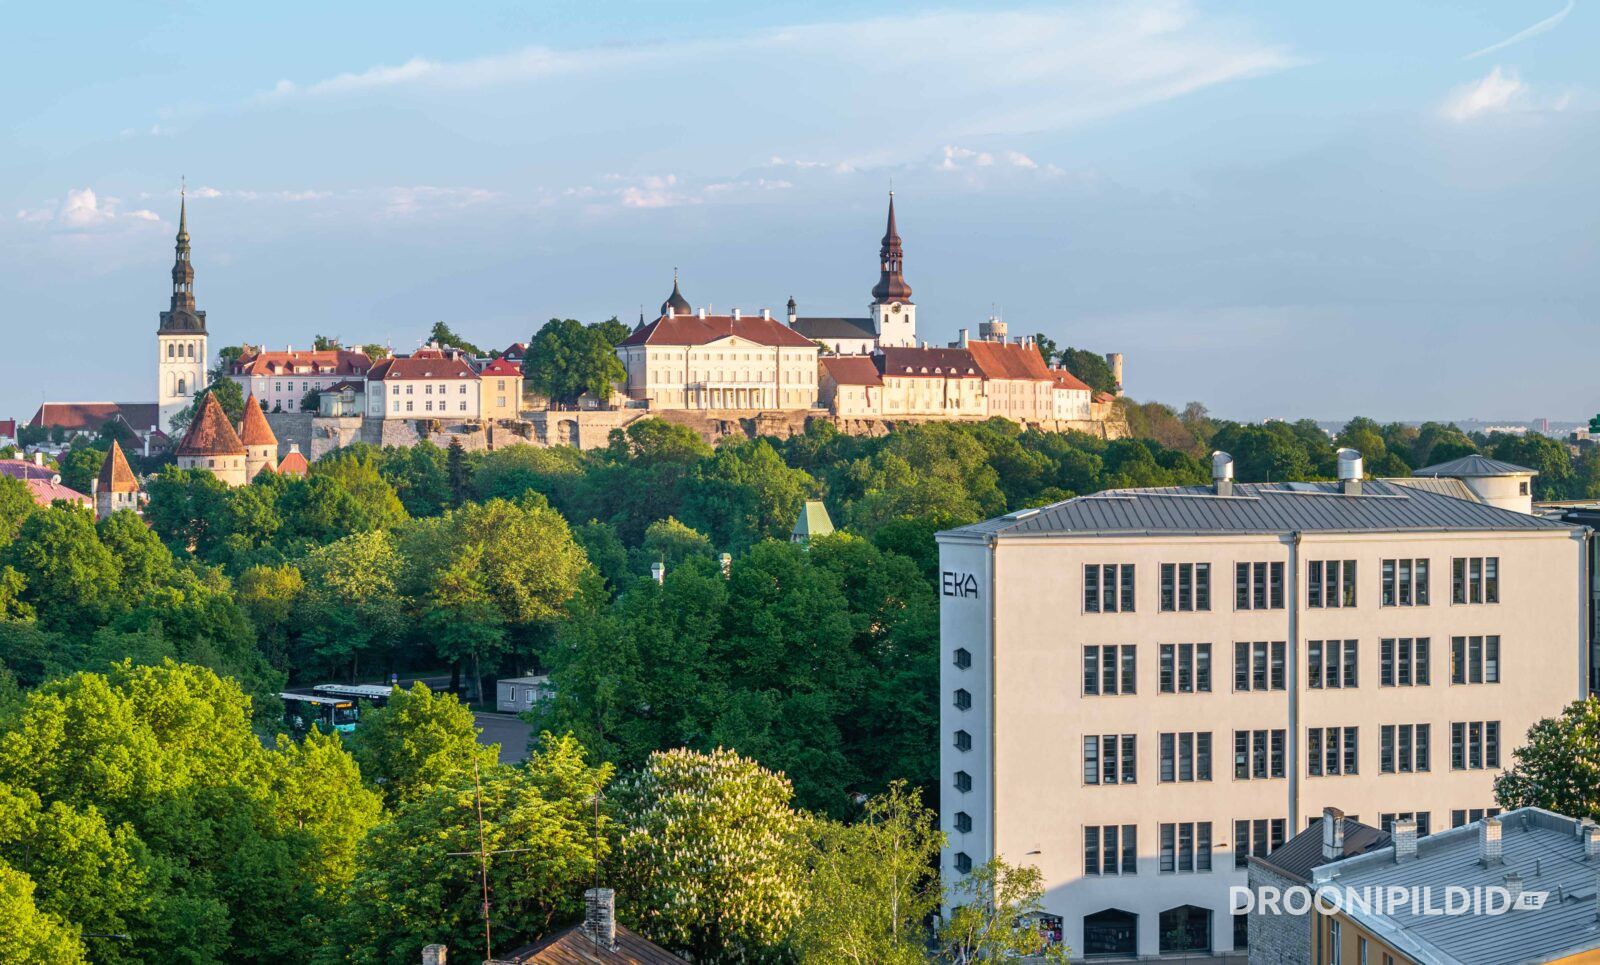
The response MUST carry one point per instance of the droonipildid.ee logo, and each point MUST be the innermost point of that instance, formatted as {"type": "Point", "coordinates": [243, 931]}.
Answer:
{"type": "Point", "coordinates": [1424, 900]}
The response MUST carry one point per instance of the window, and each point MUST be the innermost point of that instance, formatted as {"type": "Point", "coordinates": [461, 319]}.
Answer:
{"type": "Point", "coordinates": [1101, 756]}
{"type": "Point", "coordinates": [1111, 849]}
{"type": "Point", "coordinates": [1403, 748]}
{"type": "Point", "coordinates": [963, 699]}
{"type": "Point", "coordinates": [1405, 583]}
{"type": "Point", "coordinates": [1475, 745]}
{"type": "Point", "coordinates": [1185, 847]}
{"type": "Point", "coordinates": [1258, 586]}
{"type": "Point", "coordinates": [1331, 583]}
{"type": "Point", "coordinates": [1108, 588]}
{"type": "Point", "coordinates": [1109, 669]}
{"type": "Point", "coordinates": [1331, 751]}
{"type": "Point", "coordinates": [1330, 664]}
{"type": "Point", "coordinates": [963, 862]}
{"type": "Point", "coordinates": [963, 658]}
{"type": "Point", "coordinates": [1387, 819]}
{"type": "Point", "coordinates": [1258, 754]}
{"type": "Point", "coordinates": [1403, 662]}
{"type": "Point", "coordinates": [963, 781]}
{"type": "Point", "coordinates": [1258, 666]}
{"type": "Point", "coordinates": [462, 406]}
{"type": "Point", "coordinates": [963, 741]}
{"type": "Point", "coordinates": [1185, 668]}
{"type": "Point", "coordinates": [1260, 837]}
{"type": "Point", "coordinates": [1471, 815]}
{"type": "Point", "coordinates": [963, 822]}
{"type": "Point", "coordinates": [1475, 579]}
{"type": "Point", "coordinates": [1185, 586]}
{"type": "Point", "coordinates": [408, 405]}
{"type": "Point", "coordinates": [1335, 943]}
{"type": "Point", "coordinates": [1186, 756]}
{"type": "Point", "coordinates": [1475, 660]}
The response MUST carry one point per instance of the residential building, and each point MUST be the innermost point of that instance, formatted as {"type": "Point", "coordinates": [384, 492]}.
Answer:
{"type": "Point", "coordinates": [43, 482]}
{"type": "Point", "coordinates": [597, 940]}
{"type": "Point", "coordinates": [1492, 481]}
{"type": "Point", "coordinates": [1275, 939]}
{"type": "Point", "coordinates": [515, 353]}
{"type": "Point", "coordinates": [851, 386]}
{"type": "Point", "coordinates": [516, 695]}
{"type": "Point", "coordinates": [1530, 853]}
{"type": "Point", "coordinates": [181, 352]}
{"type": "Point", "coordinates": [695, 360]}
{"type": "Point", "coordinates": [280, 380]}
{"type": "Point", "coordinates": [1071, 399]}
{"type": "Point", "coordinates": [1142, 688]}
{"type": "Point", "coordinates": [89, 418]}
{"type": "Point", "coordinates": [260, 444]}
{"type": "Point", "coordinates": [212, 444]}
{"type": "Point", "coordinates": [116, 488]}
{"type": "Point", "coordinates": [424, 385]}
{"type": "Point", "coordinates": [8, 432]}
{"type": "Point", "coordinates": [891, 316]}
{"type": "Point", "coordinates": [1016, 382]}
{"type": "Point", "coordinates": [943, 383]}
{"type": "Point", "coordinates": [345, 399]}
{"type": "Point", "coordinates": [500, 382]}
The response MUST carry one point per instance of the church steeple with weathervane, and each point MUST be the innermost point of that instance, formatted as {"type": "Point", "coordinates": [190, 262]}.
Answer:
{"type": "Point", "coordinates": [893, 315]}
{"type": "Point", "coordinates": [181, 338]}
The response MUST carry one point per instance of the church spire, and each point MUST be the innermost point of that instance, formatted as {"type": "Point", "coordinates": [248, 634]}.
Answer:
{"type": "Point", "coordinates": [182, 268]}
{"type": "Point", "coordinates": [891, 286]}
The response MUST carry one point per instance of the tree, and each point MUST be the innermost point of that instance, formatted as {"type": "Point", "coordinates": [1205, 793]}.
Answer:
{"type": "Point", "coordinates": [229, 394]}
{"type": "Point", "coordinates": [375, 351]}
{"type": "Point", "coordinates": [16, 505]}
{"type": "Point", "coordinates": [458, 472]}
{"type": "Point", "coordinates": [567, 358]}
{"type": "Point", "coordinates": [1047, 347]}
{"type": "Point", "coordinates": [442, 334]}
{"type": "Point", "coordinates": [372, 502]}
{"type": "Point", "coordinates": [712, 855]}
{"type": "Point", "coordinates": [991, 905]}
{"type": "Point", "coordinates": [28, 935]}
{"type": "Point", "coordinates": [311, 401]}
{"type": "Point", "coordinates": [117, 430]}
{"type": "Point", "coordinates": [351, 608]}
{"type": "Point", "coordinates": [1548, 457]}
{"type": "Point", "coordinates": [419, 741]}
{"type": "Point", "coordinates": [79, 467]}
{"type": "Point", "coordinates": [1091, 368]}
{"type": "Point", "coordinates": [745, 494]}
{"type": "Point", "coordinates": [324, 343]}
{"type": "Point", "coordinates": [1557, 769]}
{"type": "Point", "coordinates": [70, 576]}
{"type": "Point", "coordinates": [873, 884]}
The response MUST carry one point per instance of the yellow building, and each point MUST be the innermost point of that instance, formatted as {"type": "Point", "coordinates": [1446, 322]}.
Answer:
{"type": "Point", "coordinates": [500, 390]}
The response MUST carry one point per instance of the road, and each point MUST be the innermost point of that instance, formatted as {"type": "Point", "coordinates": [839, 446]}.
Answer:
{"type": "Point", "coordinates": [507, 730]}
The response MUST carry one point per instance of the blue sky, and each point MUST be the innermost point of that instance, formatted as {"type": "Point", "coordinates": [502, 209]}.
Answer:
{"type": "Point", "coordinates": [1278, 209]}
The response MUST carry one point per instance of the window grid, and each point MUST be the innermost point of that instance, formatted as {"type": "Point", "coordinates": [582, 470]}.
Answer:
{"type": "Point", "coordinates": [1110, 849]}
{"type": "Point", "coordinates": [1405, 582]}
{"type": "Point", "coordinates": [1185, 756]}
{"type": "Point", "coordinates": [1403, 662]}
{"type": "Point", "coordinates": [1259, 665]}
{"type": "Point", "coordinates": [1331, 664]}
{"type": "Point", "coordinates": [1108, 588]}
{"type": "Point", "coordinates": [1185, 847]}
{"type": "Point", "coordinates": [1185, 587]}
{"type": "Point", "coordinates": [1330, 584]}
{"type": "Point", "coordinates": [1109, 670]}
{"type": "Point", "coordinates": [1475, 659]}
{"type": "Point", "coordinates": [1185, 668]}
{"type": "Point", "coordinates": [1331, 751]}
{"type": "Point", "coordinates": [1258, 586]}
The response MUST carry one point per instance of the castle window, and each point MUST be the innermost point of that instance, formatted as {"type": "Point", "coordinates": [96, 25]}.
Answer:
{"type": "Point", "coordinates": [171, 350]}
{"type": "Point", "coordinates": [183, 387]}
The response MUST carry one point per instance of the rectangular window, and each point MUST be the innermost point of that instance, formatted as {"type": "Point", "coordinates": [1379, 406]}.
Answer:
{"type": "Point", "coordinates": [1475, 659]}
{"type": "Point", "coordinates": [1331, 751]}
{"type": "Point", "coordinates": [1405, 583]}
{"type": "Point", "coordinates": [1403, 662]}
{"type": "Point", "coordinates": [1185, 668]}
{"type": "Point", "coordinates": [1475, 579]}
{"type": "Point", "coordinates": [1475, 745]}
{"type": "Point", "coordinates": [1259, 665]}
{"type": "Point", "coordinates": [1403, 748]}
{"type": "Point", "coordinates": [1330, 664]}
{"type": "Point", "coordinates": [1108, 588]}
{"type": "Point", "coordinates": [1330, 583]}
{"type": "Point", "coordinates": [1258, 586]}
{"type": "Point", "coordinates": [1101, 759]}
{"type": "Point", "coordinates": [1260, 837]}
{"type": "Point", "coordinates": [1185, 756]}
{"type": "Point", "coordinates": [1185, 586]}
{"type": "Point", "coordinates": [1109, 669]}
{"type": "Point", "coordinates": [1257, 754]}
{"type": "Point", "coordinates": [1110, 849]}
{"type": "Point", "coordinates": [1186, 847]}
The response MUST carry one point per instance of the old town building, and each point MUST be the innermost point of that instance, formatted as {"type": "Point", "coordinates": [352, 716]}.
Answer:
{"type": "Point", "coordinates": [500, 383]}
{"type": "Point", "coordinates": [260, 445]}
{"type": "Point", "coordinates": [116, 488]}
{"type": "Point", "coordinates": [892, 316]}
{"type": "Point", "coordinates": [181, 338]}
{"type": "Point", "coordinates": [427, 384]}
{"type": "Point", "coordinates": [281, 380]}
{"type": "Point", "coordinates": [212, 444]}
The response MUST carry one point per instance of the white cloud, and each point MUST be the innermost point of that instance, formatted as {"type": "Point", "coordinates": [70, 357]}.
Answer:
{"type": "Point", "coordinates": [1502, 91]}
{"type": "Point", "coordinates": [83, 209]}
{"type": "Point", "coordinates": [956, 158]}
{"type": "Point", "coordinates": [1521, 35]}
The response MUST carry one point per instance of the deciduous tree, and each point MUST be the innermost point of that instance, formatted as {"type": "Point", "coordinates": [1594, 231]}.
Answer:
{"type": "Point", "coordinates": [1557, 768]}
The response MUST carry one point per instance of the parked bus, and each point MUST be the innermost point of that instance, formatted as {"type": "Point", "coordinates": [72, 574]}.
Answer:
{"type": "Point", "coordinates": [375, 694]}
{"type": "Point", "coordinates": [302, 712]}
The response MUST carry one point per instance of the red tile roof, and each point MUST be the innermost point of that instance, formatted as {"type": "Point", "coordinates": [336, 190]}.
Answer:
{"type": "Point", "coordinates": [1009, 360]}
{"type": "Point", "coordinates": [1104, 397]}
{"type": "Point", "coordinates": [503, 367]}
{"type": "Point", "coordinates": [25, 469]}
{"type": "Point", "coordinates": [8, 428]}
{"type": "Point", "coordinates": [694, 330]}
{"type": "Point", "coordinates": [325, 362]}
{"type": "Point", "coordinates": [930, 363]}
{"type": "Point", "coordinates": [852, 370]}
{"type": "Point", "coordinates": [211, 434]}
{"type": "Point", "coordinates": [91, 416]}
{"type": "Point", "coordinates": [253, 428]}
{"type": "Point", "coordinates": [574, 946]}
{"type": "Point", "coordinates": [294, 464]}
{"type": "Point", "coordinates": [116, 476]}
{"type": "Point", "coordinates": [47, 491]}
{"type": "Point", "coordinates": [1066, 380]}
{"type": "Point", "coordinates": [435, 367]}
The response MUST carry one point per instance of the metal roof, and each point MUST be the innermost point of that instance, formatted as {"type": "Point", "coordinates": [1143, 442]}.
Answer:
{"type": "Point", "coordinates": [1541, 846]}
{"type": "Point", "coordinates": [1258, 508]}
{"type": "Point", "coordinates": [816, 327]}
{"type": "Point", "coordinates": [1297, 856]}
{"type": "Point", "coordinates": [1475, 465]}
{"type": "Point", "coordinates": [1444, 485]}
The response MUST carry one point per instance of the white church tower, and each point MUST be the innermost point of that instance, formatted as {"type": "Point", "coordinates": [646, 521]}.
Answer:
{"type": "Point", "coordinates": [894, 317]}
{"type": "Point", "coordinates": [181, 339]}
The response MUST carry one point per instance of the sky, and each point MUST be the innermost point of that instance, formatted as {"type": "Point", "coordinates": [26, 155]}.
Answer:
{"type": "Point", "coordinates": [1279, 210]}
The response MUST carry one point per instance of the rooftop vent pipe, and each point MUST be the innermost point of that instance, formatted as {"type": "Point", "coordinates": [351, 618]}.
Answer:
{"type": "Point", "coordinates": [1350, 472]}
{"type": "Point", "coordinates": [1222, 473]}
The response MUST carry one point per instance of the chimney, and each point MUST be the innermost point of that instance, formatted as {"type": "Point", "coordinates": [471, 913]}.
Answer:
{"type": "Point", "coordinates": [766, 314]}
{"type": "Point", "coordinates": [702, 314]}
{"type": "Point", "coordinates": [658, 572]}
{"type": "Point", "coordinates": [1591, 842]}
{"type": "Point", "coordinates": [1222, 473]}
{"type": "Point", "coordinates": [434, 955]}
{"type": "Point", "coordinates": [964, 338]}
{"type": "Point", "coordinates": [1332, 834]}
{"type": "Point", "coordinates": [1514, 885]}
{"type": "Point", "coordinates": [600, 916]}
{"type": "Point", "coordinates": [737, 315]}
{"type": "Point", "coordinates": [38, 458]}
{"type": "Point", "coordinates": [1350, 472]}
{"type": "Point", "coordinates": [726, 559]}
{"type": "Point", "coordinates": [1489, 842]}
{"type": "Point", "coordinates": [1404, 833]}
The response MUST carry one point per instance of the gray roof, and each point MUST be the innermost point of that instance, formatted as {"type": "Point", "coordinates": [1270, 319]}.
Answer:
{"type": "Point", "coordinates": [815, 328]}
{"type": "Point", "coordinates": [1540, 846]}
{"type": "Point", "coordinates": [1303, 852]}
{"type": "Point", "coordinates": [1475, 465]}
{"type": "Point", "coordinates": [1258, 508]}
{"type": "Point", "coordinates": [1443, 485]}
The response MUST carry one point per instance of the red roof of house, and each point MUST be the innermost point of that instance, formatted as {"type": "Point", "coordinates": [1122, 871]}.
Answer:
{"type": "Point", "coordinates": [502, 367]}
{"type": "Point", "coordinates": [1066, 380]}
{"type": "Point", "coordinates": [25, 469]}
{"type": "Point", "coordinates": [434, 367]}
{"type": "Point", "coordinates": [47, 491]}
{"type": "Point", "coordinates": [211, 434]}
{"type": "Point", "coordinates": [8, 428]}
{"type": "Point", "coordinates": [116, 476]}
{"type": "Point", "coordinates": [326, 362]}
{"type": "Point", "coordinates": [91, 416]}
{"type": "Point", "coordinates": [294, 464]}
{"type": "Point", "coordinates": [253, 428]}
{"type": "Point", "coordinates": [933, 363]}
{"type": "Point", "coordinates": [1104, 397]}
{"type": "Point", "coordinates": [575, 946]}
{"type": "Point", "coordinates": [694, 330]}
{"type": "Point", "coordinates": [852, 370]}
{"type": "Point", "coordinates": [516, 350]}
{"type": "Point", "coordinates": [1009, 360]}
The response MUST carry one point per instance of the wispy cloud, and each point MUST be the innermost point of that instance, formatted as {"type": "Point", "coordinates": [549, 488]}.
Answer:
{"type": "Point", "coordinates": [84, 209]}
{"type": "Point", "coordinates": [1547, 23]}
{"type": "Point", "coordinates": [1503, 91]}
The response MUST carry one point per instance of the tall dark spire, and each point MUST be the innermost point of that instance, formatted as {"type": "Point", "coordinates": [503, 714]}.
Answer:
{"type": "Point", "coordinates": [891, 286]}
{"type": "Point", "coordinates": [182, 316]}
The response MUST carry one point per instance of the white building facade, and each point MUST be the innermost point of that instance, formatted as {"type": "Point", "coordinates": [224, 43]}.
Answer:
{"type": "Point", "coordinates": [1140, 689]}
{"type": "Point", "coordinates": [424, 385]}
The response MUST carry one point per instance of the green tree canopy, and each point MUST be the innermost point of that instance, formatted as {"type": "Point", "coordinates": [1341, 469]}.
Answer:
{"type": "Point", "coordinates": [442, 334]}
{"type": "Point", "coordinates": [419, 741]}
{"type": "Point", "coordinates": [1557, 768]}
{"type": "Point", "coordinates": [568, 358]}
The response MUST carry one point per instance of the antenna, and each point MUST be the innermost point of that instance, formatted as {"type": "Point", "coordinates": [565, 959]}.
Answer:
{"type": "Point", "coordinates": [482, 854]}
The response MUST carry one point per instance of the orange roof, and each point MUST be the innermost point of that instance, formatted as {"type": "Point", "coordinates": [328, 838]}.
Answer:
{"type": "Point", "coordinates": [503, 367]}
{"type": "Point", "coordinates": [1009, 360]}
{"type": "Point", "coordinates": [694, 330]}
{"type": "Point", "coordinates": [115, 474]}
{"type": "Point", "coordinates": [326, 362]}
{"type": "Point", "coordinates": [253, 428]}
{"type": "Point", "coordinates": [47, 491]}
{"type": "Point", "coordinates": [294, 464]}
{"type": "Point", "coordinates": [211, 434]}
{"type": "Point", "coordinates": [852, 370]}
{"type": "Point", "coordinates": [1066, 380]}
{"type": "Point", "coordinates": [8, 428]}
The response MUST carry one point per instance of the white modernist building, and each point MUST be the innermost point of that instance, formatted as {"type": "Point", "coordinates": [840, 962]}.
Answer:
{"type": "Point", "coordinates": [1142, 688]}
